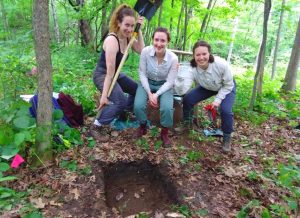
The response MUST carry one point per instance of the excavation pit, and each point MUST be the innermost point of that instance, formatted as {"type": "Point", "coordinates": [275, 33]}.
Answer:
{"type": "Point", "coordinates": [135, 187]}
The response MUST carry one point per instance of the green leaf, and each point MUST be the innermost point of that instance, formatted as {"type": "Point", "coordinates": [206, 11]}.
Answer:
{"type": "Point", "coordinates": [91, 143]}
{"type": "Point", "coordinates": [3, 167]}
{"type": "Point", "coordinates": [58, 114]}
{"type": "Point", "coordinates": [292, 204]}
{"type": "Point", "coordinates": [266, 213]}
{"type": "Point", "coordinates": [34, 214]}
{"type": "Point", "coordinates": [202, 212]}
{"type": "Point", "coordinates": [8, 152]}
{"type": "Point", "coordinates": [8, 178]}
{"type": "Point", "coordinates": [22, 122]}
{"type": "Point", "coordinates": [19, 138]}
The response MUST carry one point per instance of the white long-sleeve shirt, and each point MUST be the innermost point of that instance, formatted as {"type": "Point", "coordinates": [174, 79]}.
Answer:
{"type": "Point", "coordinates": [150, 69]}
{"type": "Point", "coordinates": [217, 77]}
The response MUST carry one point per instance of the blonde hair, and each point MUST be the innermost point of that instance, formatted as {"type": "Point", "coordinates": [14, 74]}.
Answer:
{"type": "Point", "coordinates": [118, 15]}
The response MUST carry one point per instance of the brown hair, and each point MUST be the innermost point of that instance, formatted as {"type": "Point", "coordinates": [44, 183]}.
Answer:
{"type": "Point", "coordinates": [203, 44]}
{"type": "Point", "coordinates": [118, 16]}
{"type": "Point", "coordinates": [163, 30]}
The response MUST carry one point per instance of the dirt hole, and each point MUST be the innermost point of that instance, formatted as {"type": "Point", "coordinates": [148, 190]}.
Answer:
{"type": "Point", "coordinates": [135, 187]}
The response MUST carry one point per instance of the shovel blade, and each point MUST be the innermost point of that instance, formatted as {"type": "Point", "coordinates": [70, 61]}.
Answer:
{"type": "Point", "coordinates": [147, 8]}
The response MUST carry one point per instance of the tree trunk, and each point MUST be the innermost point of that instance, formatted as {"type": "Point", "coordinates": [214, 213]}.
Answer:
{"type": "Point", "coordinates": [43, 59]}
{"type": "Point", "coordinates": [205, 18]}
{"type": "Point", "coordinates": [171, 17]}
{"type": "Point", "coordinates": [4, 20]}
{"type": "Point", "coordinates": [55, 22]}
{"type": "Point", "coordinates": [290, 79]}
{"type": "Point", "coordinates": [84, 25]}
{"type": "Point", "coordinates": [178, 26]}
{"type": "Point", "coordinates": [236, 23]}
{"type": "Point", "coordinates": [159, 15]}
{"type": "Point", "coordinates": [185, 24]}
{"type": "Point", "coordinates": [208, 19]}
{"type": "Point", "coordinates": [104, 23]}
{"type": "Point", "coordinates": [267, 9]}
{"type": "Point", "coordinates": [258, 78]}
{"type": "Point", "coordinates": [277, 40]}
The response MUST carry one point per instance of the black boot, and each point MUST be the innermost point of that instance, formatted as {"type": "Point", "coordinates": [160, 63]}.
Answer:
{"type": "Point", "coordinates": [226, 144]}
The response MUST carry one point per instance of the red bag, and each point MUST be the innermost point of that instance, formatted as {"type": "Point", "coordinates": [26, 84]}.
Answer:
{"type": "Point", "coordinates": [72, 110]}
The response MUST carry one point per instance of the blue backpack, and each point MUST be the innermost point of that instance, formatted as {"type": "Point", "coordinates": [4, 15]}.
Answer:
{"type": "Point", "coordinates": [33, 108]}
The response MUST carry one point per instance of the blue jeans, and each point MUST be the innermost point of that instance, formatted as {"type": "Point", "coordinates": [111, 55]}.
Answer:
{"type": "Point", "coordinates": [165, 104]}
{"type": "Point", "coordinates": [120, 101]}
{"type": "Point", "coordinates": [199, 94]}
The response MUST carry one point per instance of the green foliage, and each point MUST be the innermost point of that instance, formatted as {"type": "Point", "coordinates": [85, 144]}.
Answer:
{"type": "Point", "coordinates": [191, 156]}
{"type": "Point", "coordinates": [9, 198]}
{"type": "Point", "coordinates": [243, 213]}
{"type": "Point", "coordinates": [252, 176]}
{"type": "Point", "coordinates": [270, 103]}
{"type": "Point", "coordinates": [69, 165]}
{"type": "Point", "coordinates": [142, 142]}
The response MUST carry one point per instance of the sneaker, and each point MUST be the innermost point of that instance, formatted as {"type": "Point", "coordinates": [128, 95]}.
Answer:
{"type": "Point", "coordinates": [100, 133]}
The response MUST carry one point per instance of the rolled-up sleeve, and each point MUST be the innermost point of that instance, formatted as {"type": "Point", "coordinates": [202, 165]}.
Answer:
{"type": "Point", "coordinates": [170, 78]}
{"type": "Point", "coordinates": [142, 70]}
{"type": "Point", "coordinates": [227, 84]}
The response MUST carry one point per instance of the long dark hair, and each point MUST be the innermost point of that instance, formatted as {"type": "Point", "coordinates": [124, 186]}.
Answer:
{"type": "Point", "coordinates": [204, 44]}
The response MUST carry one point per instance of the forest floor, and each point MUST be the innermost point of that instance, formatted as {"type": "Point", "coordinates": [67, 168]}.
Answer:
{"type": "Point", "coordinates": [126, 176]}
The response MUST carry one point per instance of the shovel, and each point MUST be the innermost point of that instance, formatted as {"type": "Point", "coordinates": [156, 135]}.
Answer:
{"type": "Point", "coordinates": [145, 8]}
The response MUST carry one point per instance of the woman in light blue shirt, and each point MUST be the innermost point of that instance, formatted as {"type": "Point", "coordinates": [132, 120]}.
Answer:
{"type": "Point", "coordinates": [157, 72]}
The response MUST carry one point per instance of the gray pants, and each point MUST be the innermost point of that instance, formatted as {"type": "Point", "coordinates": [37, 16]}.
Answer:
{"type": "Point", "coordinates": [120, 101]}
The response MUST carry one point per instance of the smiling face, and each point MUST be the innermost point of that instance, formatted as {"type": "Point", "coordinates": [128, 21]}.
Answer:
{"type": "Point", "coordinates": [201, 56]}
{"type": "Point", "coordinates": [126, 26]}
{"type": "Point", "coordinates": [160, 42]}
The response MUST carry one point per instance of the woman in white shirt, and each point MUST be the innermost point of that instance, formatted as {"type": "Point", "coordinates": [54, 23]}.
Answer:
{"type": "Point", "coordinates": [157, 72]}
{"type": "Point", "coordinates": [214, 78]}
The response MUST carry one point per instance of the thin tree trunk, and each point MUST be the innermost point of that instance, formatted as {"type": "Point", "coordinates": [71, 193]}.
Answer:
{"type": "Point", "coordinates": [4, 20]}
{"type": "Point", "coordinates": [235, 27]}
{"type": "Point", "coordinates": [159, 15]}
{"type": "Point", "coordinates": [104, 23]}
{"type": "Point", "coordinates": [277, 40]}
{"type": "Point", "coordinates": [258, 78]}
{"type": "Point", "coordinates": [55, 22]}
{"type": "Point", "coordinates": [209, 17]}
{"type": "Point", "coordinates": [171, 17]}
{"type": "Point", "coordinates": [178, 25]}
{"type": "Point", "coordinates": [185, 24]}
{"type": "Point", "coordinates": [84, 25]}
{"type": "Point", "coordinates": [267, 9]}
{"type": "Point", "coordinates": [205, 18]}
{"type": "Point", "coordinates": [43, 59]}
{"type": "Point", "coordinates": [290, 79]}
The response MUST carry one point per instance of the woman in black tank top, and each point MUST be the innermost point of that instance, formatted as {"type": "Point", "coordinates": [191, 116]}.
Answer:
{"type": "Point", "coordinates": [121, 27]}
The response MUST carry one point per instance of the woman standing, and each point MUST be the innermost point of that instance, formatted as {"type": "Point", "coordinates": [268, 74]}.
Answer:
{"type": "Point", "coordinates": [157, 71]}
{"type": "Point", "coordinates": [121, 27]}
{"type": "Point", "coordinates": [214, 78]}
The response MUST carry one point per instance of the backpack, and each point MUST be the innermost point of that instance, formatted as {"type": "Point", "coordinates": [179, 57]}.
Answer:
{"type": "Point", "coordinates": [72, 110]}
{"type": "Point", "coordinates": [56, 106]}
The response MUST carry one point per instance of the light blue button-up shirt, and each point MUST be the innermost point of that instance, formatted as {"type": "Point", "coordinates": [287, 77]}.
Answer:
{"type": "Point", "coordinates": [150, 69]}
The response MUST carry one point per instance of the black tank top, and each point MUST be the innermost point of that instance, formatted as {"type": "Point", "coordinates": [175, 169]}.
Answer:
{"type": "Point", "coordinates": [101, 65]}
